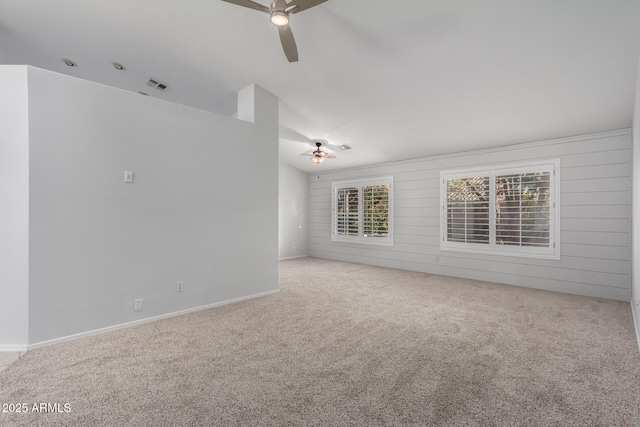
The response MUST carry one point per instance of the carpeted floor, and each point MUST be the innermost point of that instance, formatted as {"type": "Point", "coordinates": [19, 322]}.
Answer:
{"type": "Point", "coordinates": [348, 344]}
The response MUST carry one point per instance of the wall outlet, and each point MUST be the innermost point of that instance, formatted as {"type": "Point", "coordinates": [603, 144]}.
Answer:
{"type": "Point", "coordinates": [179, 286]}
{"type": "Point", "coordinates": [137, 305]}
{"type": "Point", "coordinates": [128, 176]}
{"type": "Point", "coordinates": [437, 258]}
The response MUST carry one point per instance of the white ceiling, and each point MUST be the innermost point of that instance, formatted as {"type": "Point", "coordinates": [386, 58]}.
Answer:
{"type": "Point", "coordinates": [395, 80]}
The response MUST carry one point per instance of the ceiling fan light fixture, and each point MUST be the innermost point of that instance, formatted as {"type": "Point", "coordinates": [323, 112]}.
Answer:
{"type": "Point", "coordinates": [279, 19]}
{"type": "Point", "coordinates": [317, 159]}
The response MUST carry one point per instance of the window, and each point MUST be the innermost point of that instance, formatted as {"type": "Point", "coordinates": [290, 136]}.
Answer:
{"type": "Point", "coordinates": [500, 210]}
{"type": "Point", "coordinates": [362, 211]}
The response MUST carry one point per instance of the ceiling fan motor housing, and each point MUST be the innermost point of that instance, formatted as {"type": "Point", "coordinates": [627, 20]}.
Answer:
{"type": "Point", "coordinates": [278, 6]}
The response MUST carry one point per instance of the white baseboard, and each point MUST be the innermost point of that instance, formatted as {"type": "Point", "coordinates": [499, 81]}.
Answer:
{"type": "Point", "coordinates": [13, 348]}
{"type": "Point", "coordinates": [147, 320]}
{"type": "Point", "coordinates": [293, 257]}
{"type": "Point", "coordinates": [635, 312]}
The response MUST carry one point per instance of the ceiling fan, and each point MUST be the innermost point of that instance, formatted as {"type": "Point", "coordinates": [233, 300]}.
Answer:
{"type": "Point", "coordinates": [279, 12]}
{"type": "Point", "coordinates": [318, 155]}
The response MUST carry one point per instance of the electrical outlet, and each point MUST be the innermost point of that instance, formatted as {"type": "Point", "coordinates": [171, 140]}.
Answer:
{"type": "Point", "coordinates": [128, 176]}
{"type": "Point", "coordinates": [437, 258]}
{"type": "Point", "coordinates": [137, 305]}
{"type": "Point", "coordinates": [179, 286]}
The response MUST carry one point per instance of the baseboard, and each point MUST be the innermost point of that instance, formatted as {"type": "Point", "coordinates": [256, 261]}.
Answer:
{"type": "Point", "coordinates": [635, 312]}
{"type": "Point", "coordinates": [293, 257]}
{"type": "Point", "coordinates": [13, 348]}
{"type": "Point", "coordinates": [147, 320]}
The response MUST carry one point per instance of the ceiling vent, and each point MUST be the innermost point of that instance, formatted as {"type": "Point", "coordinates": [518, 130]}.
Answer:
{"type": "Point", "coordinates": [157, 85]}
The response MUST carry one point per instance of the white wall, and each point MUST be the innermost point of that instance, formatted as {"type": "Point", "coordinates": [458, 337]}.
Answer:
{"type": "Point", "coordinates": [14, 210]}
{"type": "Point", "coordinates": [635, 300]}
{"type": "Point", "coordinates": [202, 209]}
{"type": "Point", "coordinates": [595, 218]}
{"type": "Point", "coordinates": [293, 201]}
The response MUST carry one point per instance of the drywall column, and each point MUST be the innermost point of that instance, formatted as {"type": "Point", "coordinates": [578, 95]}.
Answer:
{"type": "Point", "coordinates": [260, 107]}
{"type": "Point", "coordinates": [635, 212]}
{"type": "Point", "coordinates": [14, 209]}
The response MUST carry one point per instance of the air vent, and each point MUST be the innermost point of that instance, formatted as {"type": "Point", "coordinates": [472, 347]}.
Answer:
{"type": "Point", "coordinates": [345, 147]}
{"type": "Point", "coordinates": [157, 85]}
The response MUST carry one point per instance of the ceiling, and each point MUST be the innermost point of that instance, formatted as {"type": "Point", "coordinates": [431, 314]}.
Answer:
{"type": "Point", "coordinates": [395, 80]}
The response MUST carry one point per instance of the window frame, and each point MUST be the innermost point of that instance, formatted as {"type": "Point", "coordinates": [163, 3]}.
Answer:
{"type": "Point", "coordinates": [491, 171]}
{"type": "Point", "coordinates": [359, 184]}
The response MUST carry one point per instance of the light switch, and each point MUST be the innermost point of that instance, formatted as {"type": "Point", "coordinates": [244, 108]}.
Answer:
{"type": "Point", "coordinates": [128, 176]}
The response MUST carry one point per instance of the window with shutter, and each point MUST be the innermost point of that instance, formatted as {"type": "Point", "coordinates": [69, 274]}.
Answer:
{"type": "Point", "coordinates": [375, 214]}
{"type": "Point", "coordinates": [523, 209]}
{"type": "Point", "coordinates": [508, 211]}
{"type": "Point", "coordinates": [468, 210]}
{"type": "Point", "coordinates": [346, 216]}
{"type": "Point", "coordinates": [362, 211]}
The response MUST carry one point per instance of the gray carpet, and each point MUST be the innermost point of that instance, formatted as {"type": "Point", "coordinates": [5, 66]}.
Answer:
{"type": "Point", "coordinates": [347, 344]}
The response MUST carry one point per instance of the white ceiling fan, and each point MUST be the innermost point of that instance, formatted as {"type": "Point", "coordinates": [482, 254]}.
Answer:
{"type": "Point", "coordinates": [279, 12]}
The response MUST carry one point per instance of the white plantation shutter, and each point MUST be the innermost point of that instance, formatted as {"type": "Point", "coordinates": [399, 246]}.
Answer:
{"type": "Point", "coordinates": [362, 211]}
{"type": "Point", "coordinates": [376, 210]}
{"type": "Point", "coordinates": [468, 210]}
{"type": "Point", "coordinates": [523, 209]}
{"type": "Point", "coordinates": [346, 212]}
{"type": "Point", "coordinates": [502, 211]}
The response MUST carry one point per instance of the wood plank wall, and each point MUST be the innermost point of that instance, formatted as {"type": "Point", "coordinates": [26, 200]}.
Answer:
{"type": "Point", "coordinates": [595, 226]}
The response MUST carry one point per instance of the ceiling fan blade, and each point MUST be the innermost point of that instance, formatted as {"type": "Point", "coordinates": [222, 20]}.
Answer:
{"type": "Point", "coordinates": [300, 5]}
{"type": "Point", "coordinates": [322, 156]}
{"type": "Point", "coordinates": [250, 4]}
{"type": "Point", "coordinates": [288, 43]}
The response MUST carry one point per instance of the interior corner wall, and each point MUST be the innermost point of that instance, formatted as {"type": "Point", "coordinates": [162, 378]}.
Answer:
{"type": "Point", "coordinates": [203, 207]}
{"type": "Point", "coordinates": [14, 209]}
{"type": "Point", "coordinates": [293, 239]}
{"type": "Point", "coordinates": [595, 223]}
{"type": "Point", "coordinates": [635, 299]}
